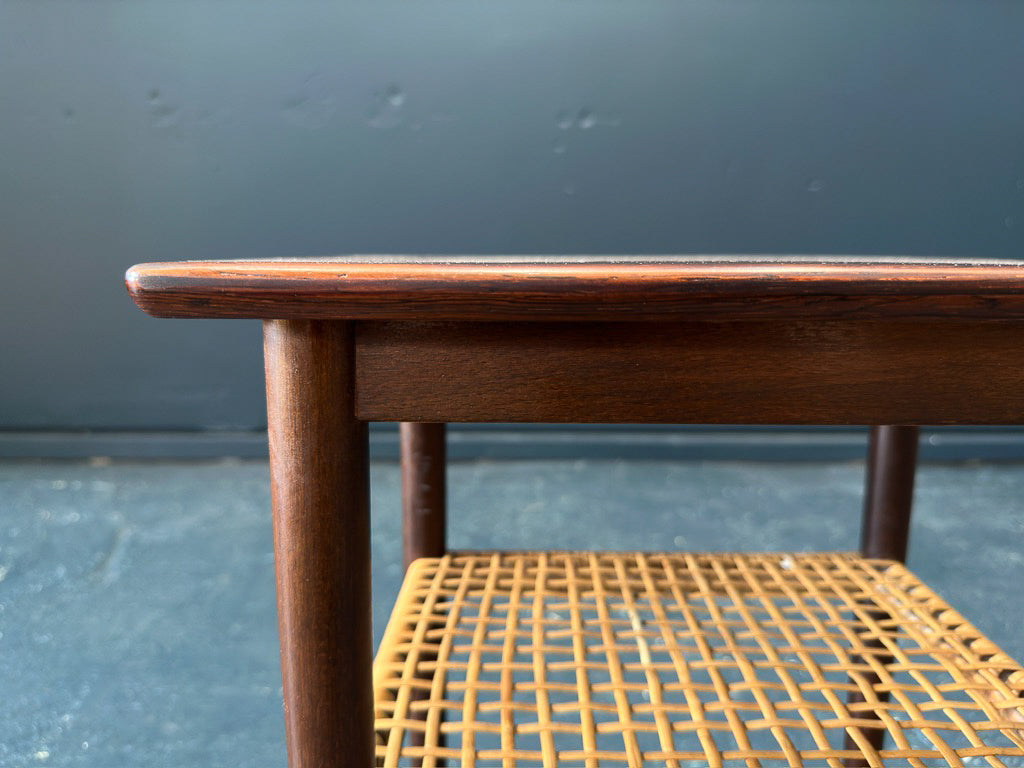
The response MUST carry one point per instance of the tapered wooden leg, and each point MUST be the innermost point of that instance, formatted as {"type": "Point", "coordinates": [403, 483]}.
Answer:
{"type": "Point", "coordinates": [424, 471]}
{"type": "Point", "coordinates": [423, 490]}
{"type": "Point", "coordinates": [885, 529]}
{"type": "Point", "coordinates": [892, 462]}
{"type": "Point", "coordinates": [319, 471]}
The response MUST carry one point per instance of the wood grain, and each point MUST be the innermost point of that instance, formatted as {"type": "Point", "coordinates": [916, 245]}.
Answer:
{"type": "Point", "coordinates": [318, 462]}
{"type": "Point", "coordinates": [781, 372]}
{"type": "Point", "coordinates": [576, 290]}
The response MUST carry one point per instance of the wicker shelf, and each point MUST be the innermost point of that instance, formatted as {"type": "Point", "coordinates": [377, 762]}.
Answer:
{"type": "Point", "coordinates": [538, 659]}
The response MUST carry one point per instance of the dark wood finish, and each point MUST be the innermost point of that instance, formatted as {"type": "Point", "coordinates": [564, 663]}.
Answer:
{"type": "Point", "coordinates": [888, 500]}
{"type": "Point", "coordinates": [423, 490]}
{"type": "Point", "coordinates": [318, 461]}
{"type": "Point", "coordinates": [600, 288]}
{"type": "Point", "coordinates": [781, 372]}
{"type": "Point", "coordinates": [814, 340]}
{"type": "Point", "coordinates": [889, 492]}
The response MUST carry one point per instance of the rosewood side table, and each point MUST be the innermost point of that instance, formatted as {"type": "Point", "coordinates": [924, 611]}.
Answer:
{"type": "Point", "coordinates": [545, 658]}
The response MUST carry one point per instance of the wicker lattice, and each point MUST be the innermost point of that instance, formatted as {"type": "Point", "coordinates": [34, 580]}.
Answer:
{"type": "Point", "coordinates": [626, 659]}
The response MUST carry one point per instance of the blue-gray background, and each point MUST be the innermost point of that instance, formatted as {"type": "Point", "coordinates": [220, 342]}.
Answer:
{"type": "Point", "coordinates": [145, 130]}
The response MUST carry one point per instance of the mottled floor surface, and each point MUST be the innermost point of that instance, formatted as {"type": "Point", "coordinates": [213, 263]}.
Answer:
{"type": "Point", "coordinates": [137, 615]}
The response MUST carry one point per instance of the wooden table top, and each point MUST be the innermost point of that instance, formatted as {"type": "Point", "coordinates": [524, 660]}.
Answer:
{"type": "Point", "coordinates": [581, 288]}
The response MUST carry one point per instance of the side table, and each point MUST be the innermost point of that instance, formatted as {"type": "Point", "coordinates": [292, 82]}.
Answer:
{"type": "Point", "coordinates": [590, 659]}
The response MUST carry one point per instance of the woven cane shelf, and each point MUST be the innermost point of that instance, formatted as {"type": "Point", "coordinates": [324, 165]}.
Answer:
{"type": "Point", "coordinates": [544, 659]}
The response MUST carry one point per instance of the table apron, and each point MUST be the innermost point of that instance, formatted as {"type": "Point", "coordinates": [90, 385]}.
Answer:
{"type": "Point", "coordinates": [783, 371]}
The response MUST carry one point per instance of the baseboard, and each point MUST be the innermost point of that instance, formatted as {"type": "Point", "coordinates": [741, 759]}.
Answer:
{"type": "Point", "coordinates": [517, 442]}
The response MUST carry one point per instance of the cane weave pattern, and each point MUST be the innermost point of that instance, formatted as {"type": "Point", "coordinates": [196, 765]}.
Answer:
{"type": "Point", "coordinates": [584, 659]}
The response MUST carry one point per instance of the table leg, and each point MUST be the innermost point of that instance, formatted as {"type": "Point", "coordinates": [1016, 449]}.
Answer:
{"type": "Point", "coordinates": [319, 471]}
{"type": "Point", "coordinates": [423, 490]}
{"type": "Point", "coordinates": [888, 498]}
{"type": "Point", "coordinates": [424, 470]}
{"type": "Point", "coordinates": [892, 462]}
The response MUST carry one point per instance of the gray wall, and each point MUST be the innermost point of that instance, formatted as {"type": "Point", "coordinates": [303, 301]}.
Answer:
{"type": "Point", "coordinates": [145, 130]}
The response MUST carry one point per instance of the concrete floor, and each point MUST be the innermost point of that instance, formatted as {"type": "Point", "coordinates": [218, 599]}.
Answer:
{"type": "Point", "coordinates": [137, 614]}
